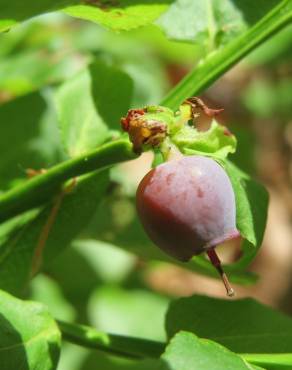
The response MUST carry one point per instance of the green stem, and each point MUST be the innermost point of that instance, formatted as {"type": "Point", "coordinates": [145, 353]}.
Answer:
{"type": "Point", "coordinates": [211, 26]}
{"type": "Point", "coordinates": [40, 188]}
{"type": "Point", "coordinates": [115, 344]}
{"type": "Point", "coordinates": [266, 359]}
{"type": "Point", "coordinates": [144, 348]}
{"type": "Point", "coordinates": [219, 62]}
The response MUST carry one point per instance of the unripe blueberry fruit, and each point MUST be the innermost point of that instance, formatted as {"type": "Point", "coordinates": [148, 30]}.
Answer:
{"type": "Point", "coordinates": [187, 206]}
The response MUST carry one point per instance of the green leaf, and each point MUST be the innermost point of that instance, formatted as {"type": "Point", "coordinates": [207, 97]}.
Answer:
{"type": "Point", "coordinates": [243, 326]}
{"type": "Point", "coordinates": [112, 93]}
{"type": "Point", "coordinates": [30, 140]}
{"type": "Point", "coordinates": [118, 311]}
{"type": "Point", "coordinates": [216, 142]}
{"type": "Point", "coordinates": [82, 128]}
{"type": "Point", "coordinates": [106, 362]}
{"type": "Point", "coordinates": [101, 255]}
{"type": "Point", "coordinates": [251, 204]}
{"type": "Point", "coordinates": [245, 155]}
{"type": "Point", "coordinates": [217, 63]}
{"type": "Point", "coordinates": [14, 11]}
{"type": "Point", "coordinates": [90, 103]}
{"type": "Point", "coordinates": [76, 210]}
{"type": "Point", "coordinates": [90, 261]}
{"type": "Point", "coordinates": [27, 71]}
{"type": "Point", "coordinates": [211, 22]}
{"type": "Point", "coordinates": [18, 130]}
{"type": "Point", "coordinates": [271, 361]}
{"type": "Point", "coordinates": [188, 352]}
{"type": "Point", "coordinates": [29, 337]}
{"type": "Point", "coordinates": [72, 357]}
{"type": "Point", "coordinates": [6, 24]}
{"type": "Point", "coordinates": [125, 15]}
{"type": "Point", "coordinates": [72, 263]}
{"type": "Point", "coordinates": [47, 291]}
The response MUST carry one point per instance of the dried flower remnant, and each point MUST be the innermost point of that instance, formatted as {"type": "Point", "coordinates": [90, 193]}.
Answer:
{"type": "Point", "coordinates": [143, 131]}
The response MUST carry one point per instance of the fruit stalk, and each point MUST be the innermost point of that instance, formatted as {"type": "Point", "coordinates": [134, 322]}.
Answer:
{"type": "Point", "coordinates": [217, 264]}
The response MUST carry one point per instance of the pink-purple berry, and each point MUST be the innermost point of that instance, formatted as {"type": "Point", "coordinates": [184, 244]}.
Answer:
{"type": "Point", "coordinates": [187, 206]}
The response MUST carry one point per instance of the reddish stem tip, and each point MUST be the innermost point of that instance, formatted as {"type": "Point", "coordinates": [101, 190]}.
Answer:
{"type": "Point", "coordinates": [217, 264]}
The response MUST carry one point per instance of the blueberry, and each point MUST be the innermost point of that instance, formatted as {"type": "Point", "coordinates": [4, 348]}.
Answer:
{"type": "Point", "coordinates": [187, 206]}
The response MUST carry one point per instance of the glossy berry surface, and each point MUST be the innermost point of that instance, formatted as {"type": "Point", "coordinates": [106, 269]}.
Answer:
{"type": "Point", "coordinates": [187, 206]}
